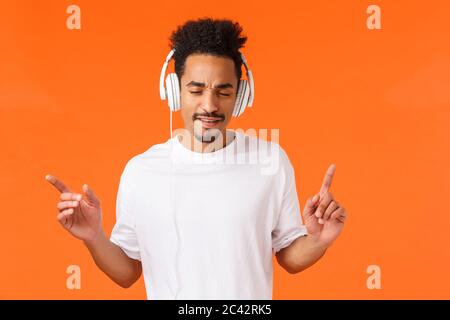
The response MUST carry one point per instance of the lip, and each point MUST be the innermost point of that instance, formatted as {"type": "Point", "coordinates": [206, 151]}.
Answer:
{"type": "Point", "coordinates": [210, 125]}
{"type": "Point", "coordinates": [209, 118]}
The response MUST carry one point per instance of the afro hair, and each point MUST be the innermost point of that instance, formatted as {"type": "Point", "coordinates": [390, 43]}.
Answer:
{"type": "Point", "coordinates": [220, 38]}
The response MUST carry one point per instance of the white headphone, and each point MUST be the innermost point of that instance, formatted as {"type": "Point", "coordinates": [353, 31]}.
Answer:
{"type": "Point", "coordinates": [244, 98]}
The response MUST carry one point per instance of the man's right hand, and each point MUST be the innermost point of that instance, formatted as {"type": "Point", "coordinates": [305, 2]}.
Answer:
{"type": "Point", "coordinates": [81, 216]}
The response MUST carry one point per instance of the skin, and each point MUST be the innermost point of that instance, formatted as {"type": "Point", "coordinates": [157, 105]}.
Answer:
{"type": "Point", "coordinates": [81, 216]}
{"type": "Point", "coordinates": [208, 88]}
{"type": "Point", "coordinates": [324, 221]}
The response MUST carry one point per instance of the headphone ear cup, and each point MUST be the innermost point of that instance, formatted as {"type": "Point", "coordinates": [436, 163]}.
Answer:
{"type": "Point", "coordinates": [173, 91]}
{"type": "Point", "coordinates": [241, 98]}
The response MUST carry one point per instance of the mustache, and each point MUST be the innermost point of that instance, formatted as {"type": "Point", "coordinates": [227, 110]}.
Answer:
{"type": "Point", "coordinates": [211, 115]}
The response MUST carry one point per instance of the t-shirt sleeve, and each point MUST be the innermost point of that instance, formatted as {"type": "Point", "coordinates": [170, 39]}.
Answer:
{"type": "Point", "coordinates": [124, 231]}
{"type": "Point", "coordinates": [289, 225]}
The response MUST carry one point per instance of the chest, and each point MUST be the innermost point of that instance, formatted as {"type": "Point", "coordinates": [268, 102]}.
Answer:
{"type": "Point", "coordinates": [237, 199]}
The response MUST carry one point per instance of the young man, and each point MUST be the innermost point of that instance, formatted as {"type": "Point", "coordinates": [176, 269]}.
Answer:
{"type": "Point", "coordinates": [200, 227]}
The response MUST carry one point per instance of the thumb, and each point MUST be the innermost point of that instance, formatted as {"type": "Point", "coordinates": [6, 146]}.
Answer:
{"type": "Point", "coordinates": [90, 195]}
{"type": "Point", "coordinates": [310, 206]}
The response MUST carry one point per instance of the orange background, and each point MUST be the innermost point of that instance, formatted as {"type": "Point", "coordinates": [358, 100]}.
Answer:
{"type": "Point", "coordinates": [80, 103]}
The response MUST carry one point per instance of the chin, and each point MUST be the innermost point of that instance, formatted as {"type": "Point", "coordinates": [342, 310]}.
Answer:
{"type": "Point", "coordinates": [205, 139]}
{"type": "Point", "coordinates": [208, 135]}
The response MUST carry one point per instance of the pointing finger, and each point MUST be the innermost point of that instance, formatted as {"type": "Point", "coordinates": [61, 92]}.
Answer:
{"type": "Point", "coordinates": [58, 184]}
{"type": "Point", "coordinates": [328, 179]}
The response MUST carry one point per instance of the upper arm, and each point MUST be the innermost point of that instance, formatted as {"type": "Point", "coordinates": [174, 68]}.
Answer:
{"type": "Point", "coordinates": [137, 269]}
{"type": "Point", "coordinates": [285, 257]}
{"type": "Point", "coordinates": [288, 223]}
{"type": "Point", "coordinates": [131, 270]}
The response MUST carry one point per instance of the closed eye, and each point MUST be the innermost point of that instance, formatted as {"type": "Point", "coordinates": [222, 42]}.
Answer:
{"type": "Point", "coordinates": [199, 92]}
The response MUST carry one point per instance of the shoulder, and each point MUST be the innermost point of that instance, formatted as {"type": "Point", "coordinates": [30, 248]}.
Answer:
{"type": "Point", "coordinates": [262, 144]}
{"type": "Point", "coordinates": [156, 154]}
{"type": "Point", "coordinates": [269, 153]}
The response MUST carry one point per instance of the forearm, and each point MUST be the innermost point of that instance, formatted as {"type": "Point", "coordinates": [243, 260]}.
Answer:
{"type": "Point", "coordinates": [301, 254]}
{"type": "Point", "coordinates": [111, 259]}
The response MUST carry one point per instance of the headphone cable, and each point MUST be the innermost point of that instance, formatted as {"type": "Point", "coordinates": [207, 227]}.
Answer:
{"type": "Point", "coordinates": [172, 206]}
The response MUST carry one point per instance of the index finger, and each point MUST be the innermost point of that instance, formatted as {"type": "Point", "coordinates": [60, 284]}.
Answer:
{"type": "Point", "coordinates": [328, 179]}
{"type": "Point", "coordinates": [58, 184]}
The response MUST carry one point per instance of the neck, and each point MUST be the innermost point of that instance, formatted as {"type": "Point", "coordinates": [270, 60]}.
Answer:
{"type": "Point", "coordinates": [189, 141]}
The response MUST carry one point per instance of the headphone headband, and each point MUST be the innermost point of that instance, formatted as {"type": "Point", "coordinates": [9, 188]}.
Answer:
{"type": "Point", "coordinates": [162, 90]}
{"type": "Point", "coordinates": [250, 80]}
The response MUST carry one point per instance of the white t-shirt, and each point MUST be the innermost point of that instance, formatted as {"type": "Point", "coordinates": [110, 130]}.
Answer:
{"type": "Point", "coordinates": [206, 225]}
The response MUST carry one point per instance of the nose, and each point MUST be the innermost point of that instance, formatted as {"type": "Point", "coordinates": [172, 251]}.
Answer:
{"type": "Point", "coordinates": [209, 102]}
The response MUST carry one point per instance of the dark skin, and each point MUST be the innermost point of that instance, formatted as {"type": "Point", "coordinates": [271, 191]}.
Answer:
{"type": "Point", "coordinates": [324, 221]}
{"type": "Point", "coordinates": [208, 91]}
{"type": "Point", "coordinates": [81, 215]}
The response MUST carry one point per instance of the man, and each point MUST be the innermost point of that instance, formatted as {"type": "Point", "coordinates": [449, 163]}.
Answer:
{"type": "Point", "coordinates": [200, 228]}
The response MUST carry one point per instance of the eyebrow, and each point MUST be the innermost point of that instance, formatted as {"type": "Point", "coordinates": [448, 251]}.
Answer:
{"type": "Point", "coordinates": [202, 85]}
